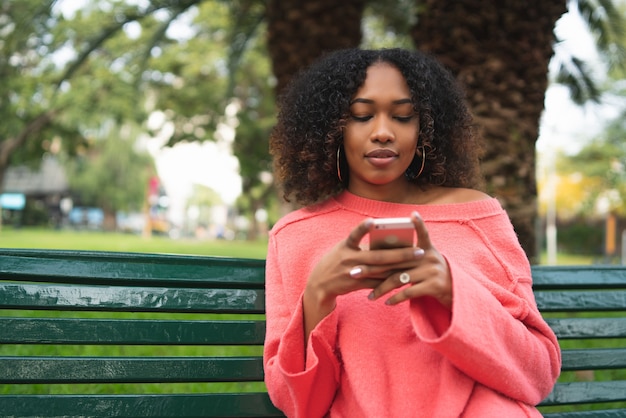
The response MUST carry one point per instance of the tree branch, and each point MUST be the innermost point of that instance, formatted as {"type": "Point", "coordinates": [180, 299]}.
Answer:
{"type": "Point", "coordinates": [33, 127]}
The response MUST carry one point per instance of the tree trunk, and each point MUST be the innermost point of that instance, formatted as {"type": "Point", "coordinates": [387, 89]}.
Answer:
{"type": "Point", "coordinates": [301, 31]}
{"type": "Point", "coordinates": [500, 53]}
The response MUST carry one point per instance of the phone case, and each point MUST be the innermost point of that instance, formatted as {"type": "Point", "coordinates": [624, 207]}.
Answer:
{"type": "Point", "coordinates": [392, 233]}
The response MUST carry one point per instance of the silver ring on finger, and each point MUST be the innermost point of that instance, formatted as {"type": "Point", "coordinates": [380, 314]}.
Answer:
{"type": "Point", "coordinates": [405, 278]}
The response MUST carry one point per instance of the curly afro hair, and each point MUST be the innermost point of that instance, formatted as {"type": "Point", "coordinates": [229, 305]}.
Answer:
{"type": "Point", "coordinates": [315, 107]}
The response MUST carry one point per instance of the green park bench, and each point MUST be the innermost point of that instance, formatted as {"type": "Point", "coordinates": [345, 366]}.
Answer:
{"type": "Point", "coordinates": [142, 335]}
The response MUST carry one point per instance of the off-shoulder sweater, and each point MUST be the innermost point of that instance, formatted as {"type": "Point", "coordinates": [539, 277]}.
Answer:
{"type": "Point", "coordinates": [491, 355]}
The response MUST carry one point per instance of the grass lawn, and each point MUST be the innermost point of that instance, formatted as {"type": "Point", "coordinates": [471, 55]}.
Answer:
{"type": "Point", "coordinates": [110, 241]}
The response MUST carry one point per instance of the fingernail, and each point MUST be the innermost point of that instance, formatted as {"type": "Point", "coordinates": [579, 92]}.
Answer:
{"type": "Point", "coordinates": [371, 295]}
{"type": "Point", "coordinates": [418, 252]}
{"type": "Point", "coordinates": [356, 272]}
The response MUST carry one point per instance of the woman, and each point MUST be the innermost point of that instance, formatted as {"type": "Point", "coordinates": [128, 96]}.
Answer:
{"type": "Point", "coordinates": [446, 328]}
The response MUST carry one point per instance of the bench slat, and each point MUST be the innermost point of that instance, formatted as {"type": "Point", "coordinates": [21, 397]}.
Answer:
{"type": "Point", "coordinates": [592, 359]}
{"type": "Point", "coordinates": [14, 370]}
{"type": "Point", "coordinates": [587, 392]}
{"type": "Point", "coordinates": [166, 405]}
{"type": "Point", "coordinates": [569, 328]}
{"type": "Point", "coordinates": [582, 277]}
{"type": "Point", "coordinates": [580, 301]}
{"type": "Point", "coordinates": [125, 298]}
{"type": "Point", "coordinates": [604, 413]}
{"type": "Point", "coordinates": [104, 267]}
{"type": "Point", "coordinates": [130, 331]}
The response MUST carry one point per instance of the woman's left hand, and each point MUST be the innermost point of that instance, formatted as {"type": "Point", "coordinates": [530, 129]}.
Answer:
{"type": "Point", "coordinates": [429, 276]}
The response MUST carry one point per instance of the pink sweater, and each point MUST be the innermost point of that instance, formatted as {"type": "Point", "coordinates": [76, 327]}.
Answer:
{"type": "Point", "coordinates": [494, 356]}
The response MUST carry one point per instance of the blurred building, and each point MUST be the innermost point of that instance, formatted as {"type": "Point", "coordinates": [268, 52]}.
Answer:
{"type": "Point", "coordinates": [46, 191]}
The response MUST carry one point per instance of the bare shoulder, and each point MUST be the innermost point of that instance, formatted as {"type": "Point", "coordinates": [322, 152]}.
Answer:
{"type": "Point", "coordinates": [468, 195]}
{"type": "Point", "coordinates": [447, 195]}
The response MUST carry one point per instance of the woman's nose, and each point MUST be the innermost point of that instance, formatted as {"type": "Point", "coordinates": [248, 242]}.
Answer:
{"type": "Point", "coordinates": [382, 130]}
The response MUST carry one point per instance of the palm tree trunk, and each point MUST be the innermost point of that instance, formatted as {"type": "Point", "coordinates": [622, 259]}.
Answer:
{"type": "Point", "coordinates": [301, 31]}
{"type": "Point", "coordinates": [298, 32]}
{"type": "Point", "coordinates": [500, 52]}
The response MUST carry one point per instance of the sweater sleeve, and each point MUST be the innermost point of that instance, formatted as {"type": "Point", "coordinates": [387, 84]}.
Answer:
{"type": "Point", "coordinates": [495, 334]}
{"type": "Point", "coordinates": [301, 381]}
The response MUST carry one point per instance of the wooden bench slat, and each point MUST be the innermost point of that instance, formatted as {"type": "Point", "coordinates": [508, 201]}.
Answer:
{"type": "Point", "coordinates": [95, 267]}
{"type": "Point", "coordinates": [592, 359]}
{"type": "Point", "coordinates": [569, 328]}
{"type": "Point", "coordinates": [604, 413]}
{"type": "Point", "coordinates": [161, 405]}
{"type": "Point", "coordinates": [125, 298]}
{"type": "Point", "coordinates": [581, 301]}
{"type": "Point", "coordinates": [20, 370]}
{"type": "Point", "coordinates": [130, 331]}
{"type": "Point", "coordinates": [581, 277]}
{"type": "Point", "coordinates": [587, 392]}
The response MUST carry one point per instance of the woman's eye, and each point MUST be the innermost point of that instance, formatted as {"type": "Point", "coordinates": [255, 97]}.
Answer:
{"type": "Point", "coordinates": [404, 119]}
{"type": "Point", "coordinates": [364, 118]}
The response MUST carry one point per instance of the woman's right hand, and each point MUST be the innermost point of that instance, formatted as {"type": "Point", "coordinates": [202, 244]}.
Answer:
{"type": "Point", "coordinates": [341, 271]}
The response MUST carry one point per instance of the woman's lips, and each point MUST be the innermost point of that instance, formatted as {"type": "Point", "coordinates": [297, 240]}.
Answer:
{"type": "Point", "coordinates": [381, 157]}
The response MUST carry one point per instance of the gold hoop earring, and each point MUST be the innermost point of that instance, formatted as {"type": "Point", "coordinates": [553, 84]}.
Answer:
{"type": "Point", "coordinates": [339, 164]}
{"type": "Point", "coordinates": [410, 172]}
{"type": "Point", "coordinates": [423, 163]}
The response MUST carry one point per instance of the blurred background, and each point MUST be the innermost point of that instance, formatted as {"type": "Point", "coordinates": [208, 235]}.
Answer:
{"type": "Point", "coordinates": [143, 125]}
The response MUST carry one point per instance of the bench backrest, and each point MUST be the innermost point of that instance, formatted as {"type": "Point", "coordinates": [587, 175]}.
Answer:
{"type": "Point", "coordinates": [586, 307]}
{"type": "Point", "coordinates": [200, 319]}
{"type": "Point", "coordinates": [121, 334]}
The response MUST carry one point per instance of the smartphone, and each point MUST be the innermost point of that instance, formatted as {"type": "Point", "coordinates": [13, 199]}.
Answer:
{"type": "Point", "coordinates": [392, 233]}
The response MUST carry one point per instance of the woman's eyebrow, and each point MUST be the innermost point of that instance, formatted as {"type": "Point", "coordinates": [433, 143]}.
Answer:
{"type": "Point", "coordinates": [369, 101]}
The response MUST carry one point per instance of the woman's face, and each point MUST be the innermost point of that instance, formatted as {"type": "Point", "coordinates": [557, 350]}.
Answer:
{"type": "Point", "coordinates": [380, 137]}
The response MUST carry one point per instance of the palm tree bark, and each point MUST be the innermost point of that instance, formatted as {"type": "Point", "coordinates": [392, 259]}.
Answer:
{"type": "Point", "coordinates": [301, 31]}
{"type": "Point", "coordinates": [500, 53]}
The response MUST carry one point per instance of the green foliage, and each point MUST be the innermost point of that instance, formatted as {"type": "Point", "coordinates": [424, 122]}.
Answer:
{"type": "Point", "coordinates": [217, 74]}
{"type": "Point", "coordinates": [112, 175]}
{"type": "Point", "coordinates": [23, 47]}
{"type": "Point", "coordinates": [594, 181]}
{"type": "Point", "coordinates": [388, 24]}
{"type": "Point", "coordinates": [193, 79]}
{"type": "Point", "coordinates": [26, 73]}
{"type": "Point", "coordinates": [203, 199]}
{"type": "Point", "coordinates": [34, 213]}
{"type": "Point", "coordinates": [605, 21]}
{"type": "Point", "coordinates": [603, 162]}
{"type": "Point", "coordinates": [204, 196]}
{"type": "Point", "coordinates": [581, 236]}
{"type": "Point", "coordinates": [256, 117]}
{"type": "Point", "coordinates": [576, 75]}
{"type": "Point", "coordinates": [64, 76]}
